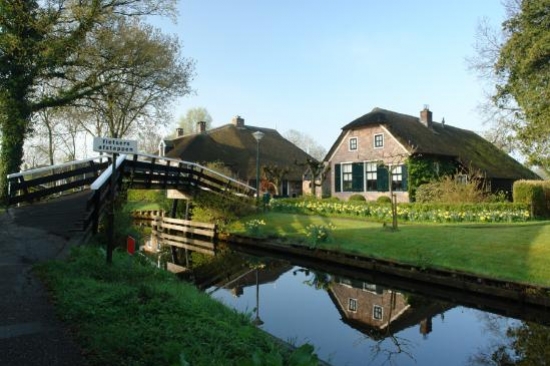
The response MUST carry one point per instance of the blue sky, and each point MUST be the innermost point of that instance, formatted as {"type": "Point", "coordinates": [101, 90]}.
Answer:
{"type": "Point", "coordinates": [314, 66]}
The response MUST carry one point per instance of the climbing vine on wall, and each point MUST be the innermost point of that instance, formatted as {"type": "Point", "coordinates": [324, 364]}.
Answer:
{"type": "Point", "coordinates": [424, 169]}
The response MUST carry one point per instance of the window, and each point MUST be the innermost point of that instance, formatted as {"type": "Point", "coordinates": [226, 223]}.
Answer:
{"type": "Point", "coordinates": [353, 143]}
{"type": "Point", "coordinates": [378, 141]}
{"type": "Point", "coordinates": [369, 287]}
{"type": "Point", "coordinates": [344, 281]}
{"type": "Point", "coordinates": [383, 179]}
{"type": "Point", "coordinates": [462, 179]}
{"type": "Point", "coordinates": [371, 175]}
{"type": "Point", "coordinates": [347, 177]}
{"type": "Point", "coordinates": [352, 177]}
{"type": "Point", "coordinates": [377, 312]}
{"type": "Point", "coordinates": [352, 305]}
{"type": "Point", "coordinates": [436, 168]}
{"type": "Point", "coordinates": [399, 178]}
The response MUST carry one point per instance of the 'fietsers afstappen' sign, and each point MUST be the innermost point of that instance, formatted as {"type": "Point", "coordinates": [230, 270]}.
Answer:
{"type": "Point", "coordinates": [115, 146]}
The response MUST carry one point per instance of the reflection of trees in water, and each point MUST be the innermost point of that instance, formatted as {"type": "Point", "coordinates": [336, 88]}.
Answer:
{"type": "Point", "coordinates": [319, 280]}
{"type": "Point", "coordinates": [390, 348]}
{"type": "Point", "coordinates": [516, 344]}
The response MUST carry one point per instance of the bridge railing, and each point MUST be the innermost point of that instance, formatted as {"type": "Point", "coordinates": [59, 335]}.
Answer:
{"type": "Point", "coordinates": [39, 183]}
{"type": "Point", "coordinates": [98, 203]}
{"type": "Point", "coordinates": [150, 171]}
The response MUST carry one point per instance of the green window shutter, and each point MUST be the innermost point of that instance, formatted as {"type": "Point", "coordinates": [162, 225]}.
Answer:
{"type": "Point", "coordinates": [337, 178]}
{"type": "Point", "coordinates": [357, 179]}
{"type": "Point", "coordinates": [405, 177]}
{"type": "Point", "coordinates": [382, 179]}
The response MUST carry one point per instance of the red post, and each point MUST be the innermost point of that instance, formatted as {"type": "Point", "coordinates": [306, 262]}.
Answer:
{"type": "Point", "coordinates": [130, 245]}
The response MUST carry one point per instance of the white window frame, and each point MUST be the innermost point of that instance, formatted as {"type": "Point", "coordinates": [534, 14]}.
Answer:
{"type": "Point", "coordinates": [347, 174]}
{"type": "Point", "coordinates": [345, 282]}
{"type": "Point", "coordinates": [371, 174]}
{"type": "Point", "coordinates": [374, 140]}
{"type": "Point", "coordinates": [355, 142]}
{"type": "Point", "coordinates": [397, 176]}
{"type": "Point", "coordinates": [369, 287]}
{"type": "Point", "coordinates": [377, 309]}
{"type": "Point", "coordinates": [462, 178]}
{"type": "Point", "coordinates": [352, 308]}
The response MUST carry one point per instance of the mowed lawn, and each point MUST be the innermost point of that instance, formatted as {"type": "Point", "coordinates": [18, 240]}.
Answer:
{"type": "Point", "coordinates": [517, 252]}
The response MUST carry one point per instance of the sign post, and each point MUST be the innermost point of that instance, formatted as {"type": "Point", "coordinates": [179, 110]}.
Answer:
{"type": "Point", "coordinates": [131, 245]}
{"type": "Point", "coordinates": [114, 146]}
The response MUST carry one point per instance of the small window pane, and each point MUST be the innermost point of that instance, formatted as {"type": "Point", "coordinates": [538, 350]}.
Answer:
{"type": "Point", "coordinates": [371, 175]}
{"type": "Point", "coordinates": [352, 305]}
{"type": "Point", "coordinates": [379, 140]}
{"type": "Point", "coordinates": [353, 143]}
{"type": "Point", "coordinates": [377, 312]}
{"type": "Point", "coordinates": [397, 178]}
{"type": "Point", "coordinates": [347, 177]}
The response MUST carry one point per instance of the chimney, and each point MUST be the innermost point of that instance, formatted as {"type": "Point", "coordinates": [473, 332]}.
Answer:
{"type": "Point", "coordinates": [201, 127]}
{"type": "Point", "coordinates": [238, 121]}
{"type": "Point", "coordinates": [426, 116]}
{"type": "Point", "coordinates": [179, 132]}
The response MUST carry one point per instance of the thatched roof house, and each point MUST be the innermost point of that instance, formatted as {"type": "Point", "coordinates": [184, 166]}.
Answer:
{"type": "Point", "coordinates": [235, 147]}
{"type": "Point", "coordinates": [391, 138]}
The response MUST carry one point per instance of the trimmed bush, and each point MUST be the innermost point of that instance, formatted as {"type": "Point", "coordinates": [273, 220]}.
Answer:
{"type": "Point", "coordinates": [536, 194]}
{"type": "Point", "coordinates": [357, 197]}
{"type": "Point", "coordinates": [383, 199]}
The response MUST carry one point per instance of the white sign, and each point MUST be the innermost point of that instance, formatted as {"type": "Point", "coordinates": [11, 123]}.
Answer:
{"type": "Point", "coordinates": [115, 146]}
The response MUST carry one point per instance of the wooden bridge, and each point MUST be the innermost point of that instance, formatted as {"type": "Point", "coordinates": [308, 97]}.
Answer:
{"type": "Point", "coordinates": [91, 182]}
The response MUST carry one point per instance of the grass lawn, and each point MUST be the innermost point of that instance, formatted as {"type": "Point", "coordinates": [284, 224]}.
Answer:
{"type": "Point", "coordinates": [518, 252]}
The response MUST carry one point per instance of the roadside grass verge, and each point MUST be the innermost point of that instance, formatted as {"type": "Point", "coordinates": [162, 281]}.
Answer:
{"type": "Point", "coordinates": [131, 313]}
{"type": "Point", "coordinates": [516, 252]}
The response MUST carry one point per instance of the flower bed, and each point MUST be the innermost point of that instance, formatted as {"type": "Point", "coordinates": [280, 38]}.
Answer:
{"type": "Point", "coordinates": [413, 212]}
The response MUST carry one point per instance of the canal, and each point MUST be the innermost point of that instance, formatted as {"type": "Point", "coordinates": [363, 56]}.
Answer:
{"type": "Point", "coordinates": [361, 318]}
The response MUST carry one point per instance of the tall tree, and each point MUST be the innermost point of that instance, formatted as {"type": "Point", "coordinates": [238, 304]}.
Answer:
{"type": "Point", "coordinates": [46, 60]}
{"type": "Point", "coordinates": [192, 117]}
{"type": "Point", "coordinates": [145, 73]}
{"type": "Point", "coordinates": [306, 143]}
{"type": "Point", "coordinates": [516, 60]}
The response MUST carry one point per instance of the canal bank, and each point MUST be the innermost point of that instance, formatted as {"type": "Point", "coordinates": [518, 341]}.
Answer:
{"type": "Point", "coordinates": [519, 293]}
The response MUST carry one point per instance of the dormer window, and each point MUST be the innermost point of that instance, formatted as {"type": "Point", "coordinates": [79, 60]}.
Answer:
{"type": "Point", "coordinates": [379, 141]}
{"type": "Point", "coordinates": [353, 143]}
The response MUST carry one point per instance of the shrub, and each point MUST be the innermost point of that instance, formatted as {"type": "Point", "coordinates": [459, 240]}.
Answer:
{"type": "Point", "coordinates": [357, 197]}
{"type": "Point", "coordinates": [535, 193]}
{"type": "Point", "coordinates": [449, 190]}
{"type": "Point", "coordinates": [383, 199]}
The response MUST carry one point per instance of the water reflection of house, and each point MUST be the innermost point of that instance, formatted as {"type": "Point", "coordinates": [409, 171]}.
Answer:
{"type": "Point", "coordinates": [380, 312]}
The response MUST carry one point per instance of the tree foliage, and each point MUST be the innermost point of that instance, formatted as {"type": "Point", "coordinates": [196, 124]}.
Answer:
{"type": "Point", "coordinates": [48, 59]}
{"type": "Point", "coordinates": [306, 143]}
{"type": "Point", "coordinates": [516, 61]}
{"type": "Point", "coordinates": [194, 116]}
{"type": "Point", "coordinates": [143, 73]}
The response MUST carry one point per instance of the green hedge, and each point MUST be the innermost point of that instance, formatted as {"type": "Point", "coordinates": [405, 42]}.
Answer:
{"type": "Point", "coordinates": [535, 194]}
{"type": "Point", "coordinates": [412, 212]}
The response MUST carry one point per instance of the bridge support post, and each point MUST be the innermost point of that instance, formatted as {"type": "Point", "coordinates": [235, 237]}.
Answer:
{"type": "Point", "coordinates": [173, 249]}
{"type": "Point", "coordinates": [111, 213]}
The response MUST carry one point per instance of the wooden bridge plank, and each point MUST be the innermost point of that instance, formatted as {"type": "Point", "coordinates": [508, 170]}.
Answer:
{"type": "Point", "coordinates": [186, 229]}
{"type": "Point", "coordinates": [183, 222]}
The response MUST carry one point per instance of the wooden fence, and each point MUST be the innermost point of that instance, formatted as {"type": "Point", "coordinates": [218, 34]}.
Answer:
{"type": "Point", "coordinates": [178, 233]}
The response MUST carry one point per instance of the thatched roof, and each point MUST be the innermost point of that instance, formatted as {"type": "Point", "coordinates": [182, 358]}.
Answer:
{"type": "Point", "coordinates": [441, 139]}
{"type": "Point", "coordinates": [236, 148]}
